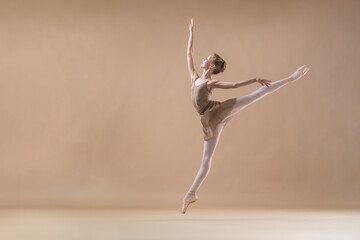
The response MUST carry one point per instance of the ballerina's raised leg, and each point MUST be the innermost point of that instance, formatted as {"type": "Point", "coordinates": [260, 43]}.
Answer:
{"type": "Point", "coordinates": [245, 101]}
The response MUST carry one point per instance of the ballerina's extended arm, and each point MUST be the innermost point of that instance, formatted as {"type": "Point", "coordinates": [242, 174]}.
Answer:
{"type": "Point", "coordinates": [225, 85]}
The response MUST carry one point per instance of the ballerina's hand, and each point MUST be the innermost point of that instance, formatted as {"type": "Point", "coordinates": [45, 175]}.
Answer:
{"type": "Point", "coordinates": [191, 27]}
{"type": "Point", "coordinates": [263, 81]}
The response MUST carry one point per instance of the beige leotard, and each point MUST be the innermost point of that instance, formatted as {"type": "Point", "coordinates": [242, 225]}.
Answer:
{"type": "Point", "coordinates": [211, 112]}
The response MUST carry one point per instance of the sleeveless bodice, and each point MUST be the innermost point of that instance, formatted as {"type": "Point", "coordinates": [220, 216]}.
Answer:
{"type": "Point", "coordinates": [200, 97]}
{"type": "Point", "coordinates": [211, 112]}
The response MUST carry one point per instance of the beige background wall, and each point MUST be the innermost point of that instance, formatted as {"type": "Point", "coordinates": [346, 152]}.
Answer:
{"type": "Point", "coordinates": [96, 110]}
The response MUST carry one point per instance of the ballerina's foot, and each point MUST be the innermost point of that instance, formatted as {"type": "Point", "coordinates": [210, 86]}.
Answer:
{"type": "Point", "coordinates": [299, 73]}
{"type": "Point", "coordinates": [189, 198]}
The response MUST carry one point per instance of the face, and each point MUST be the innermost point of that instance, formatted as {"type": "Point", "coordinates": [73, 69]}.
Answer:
{"type": "Point", "coordinates": [207, 62]}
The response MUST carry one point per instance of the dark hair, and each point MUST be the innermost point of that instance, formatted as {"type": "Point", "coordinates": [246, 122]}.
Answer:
{"type": "Point", "coordinates": [220, 64]}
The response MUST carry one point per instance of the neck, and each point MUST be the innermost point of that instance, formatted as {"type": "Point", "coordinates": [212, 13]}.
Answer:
{"type": "Point", "coordinates": [206, 74]}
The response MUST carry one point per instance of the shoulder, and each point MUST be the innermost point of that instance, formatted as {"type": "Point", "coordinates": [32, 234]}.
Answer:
{"type": "Point", "coordinates": [213, 81]}
{"type": "Point", "coordinates": [212, 84]}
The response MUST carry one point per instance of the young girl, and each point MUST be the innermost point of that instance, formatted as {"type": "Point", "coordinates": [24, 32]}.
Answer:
{"type": "Point", "coordinates": [214, 115]}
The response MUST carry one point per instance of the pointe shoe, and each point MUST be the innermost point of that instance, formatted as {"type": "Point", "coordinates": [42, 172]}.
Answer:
{"type": "Point", "coordinates": [186, 203]}
{"type": "Point", "coordinates": [299, 73]}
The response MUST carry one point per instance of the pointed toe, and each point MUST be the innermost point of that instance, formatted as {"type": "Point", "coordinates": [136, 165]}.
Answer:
{"type": "Point", "coordinates": [187, 203]}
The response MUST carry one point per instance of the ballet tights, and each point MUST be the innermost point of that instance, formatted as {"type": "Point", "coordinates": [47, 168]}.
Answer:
{"type": "Point", "coordinates": [209, 149]}
{"type": "Point", "coordinates": [245, 101]}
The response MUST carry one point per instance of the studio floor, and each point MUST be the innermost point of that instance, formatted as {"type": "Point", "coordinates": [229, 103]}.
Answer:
{"type": "Point", "coordinates": [170, 224]}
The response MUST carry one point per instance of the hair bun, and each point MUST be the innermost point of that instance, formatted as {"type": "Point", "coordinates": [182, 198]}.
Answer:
{"type": "Point", "coordinates": [223, 67]}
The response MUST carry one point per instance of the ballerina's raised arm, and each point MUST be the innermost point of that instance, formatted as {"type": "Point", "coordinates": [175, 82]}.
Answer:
{"type": "Point", "coordinates": [193, 74]}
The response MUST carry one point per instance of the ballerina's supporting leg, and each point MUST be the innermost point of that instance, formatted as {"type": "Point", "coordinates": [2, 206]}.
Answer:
{"type": "Point", "coordinates": [245, 101]}
{"type": "Point", "coordinates": [209, 149]}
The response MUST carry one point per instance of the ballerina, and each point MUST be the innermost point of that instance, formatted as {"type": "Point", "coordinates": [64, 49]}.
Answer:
{"type": "Point", "coordinates": [214, 115]}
